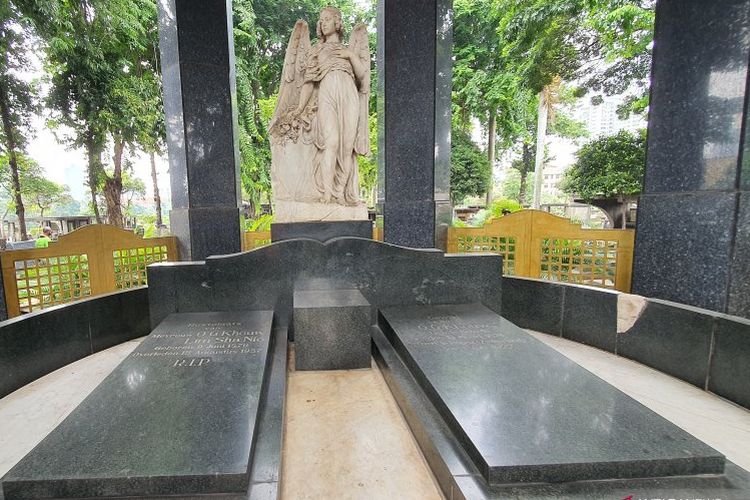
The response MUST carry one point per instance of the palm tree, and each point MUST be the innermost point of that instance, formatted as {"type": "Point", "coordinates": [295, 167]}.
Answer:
{"type": "Point", "coordinates": [548, 98]}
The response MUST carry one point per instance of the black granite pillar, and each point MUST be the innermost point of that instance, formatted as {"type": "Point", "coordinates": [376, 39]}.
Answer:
{"type": "Point", "coordinates": [197, 60]}
{"type": "Point", "coordinates": [693, 231]}
{"type": "Point", "coordinates": [415, 41]}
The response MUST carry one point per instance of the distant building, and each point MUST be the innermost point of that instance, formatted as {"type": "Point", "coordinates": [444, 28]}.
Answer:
{"type": "Point", "coordinates": [601, 120]}
{"type": "Point", "coordinates": [60, 224]}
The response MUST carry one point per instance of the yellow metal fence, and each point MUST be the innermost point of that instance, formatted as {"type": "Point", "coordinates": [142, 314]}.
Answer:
{"type": "Point", "coordinates": [89, 261]}
{"type": "Point", "coordinates": [536, 244]}
{"type": "Point", "coordinates": [256, 239]}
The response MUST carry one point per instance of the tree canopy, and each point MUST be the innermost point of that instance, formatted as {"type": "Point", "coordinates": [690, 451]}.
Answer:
{"type": "Point", "coordinates": [608, 167]}
{"type": "Point", "coordinates": [18, 97]}
{"type": "Point", "coordinates": [101, 64]}
{"type": "Point", "coordinates": [101, 67]}
{"type": "Point", "coordinates": [510, 53]}
{"type": "Point", "coordinates": [470, 168]}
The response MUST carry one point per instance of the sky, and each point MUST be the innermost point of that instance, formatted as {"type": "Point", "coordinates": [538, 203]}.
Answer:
{"type": "Point", "coordinates": [68, 167]}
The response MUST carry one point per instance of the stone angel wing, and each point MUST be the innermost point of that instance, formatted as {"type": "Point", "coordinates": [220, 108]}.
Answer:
{"type": "Point", "coordinates": [292, 79]}
{"type": "Point", "coordinates": [359, 45]}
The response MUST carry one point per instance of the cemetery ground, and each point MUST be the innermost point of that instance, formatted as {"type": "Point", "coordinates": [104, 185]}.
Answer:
{"type": "Point", "coordinates": [328, 412]}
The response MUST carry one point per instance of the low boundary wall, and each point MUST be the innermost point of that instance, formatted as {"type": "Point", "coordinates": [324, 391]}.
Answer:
{"type": "Point", "coordinates": [38, 343]}
{"type": "Point", "coordinates": [704, 348]}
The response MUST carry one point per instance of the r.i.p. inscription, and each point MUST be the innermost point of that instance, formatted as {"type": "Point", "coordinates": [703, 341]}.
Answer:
{"type": "Point", "coordinates": [453, 331]}
{"type": "Point", "coordinates": [196, 344]}
{"type": "Point", "coordinates": [177, 416]}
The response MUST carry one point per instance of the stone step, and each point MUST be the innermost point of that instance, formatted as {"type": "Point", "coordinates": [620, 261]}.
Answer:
{"type": "Point", "coordinates": [525, 413]}
{"type": "Point", "coordinates": [177, 416]}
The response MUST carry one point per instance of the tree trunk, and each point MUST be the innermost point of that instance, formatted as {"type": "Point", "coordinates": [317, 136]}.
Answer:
{"type": "Point", "coordinates": [113, 186]}
{"type": "Point", "coordinates": [112, 193]}
{"type": "Point", "coordinates": [157, 198]}
{"type": "Point", "coordinates": [526, 161]}
{"type": "Point", "coordinates": [491, 155]}
{"type": "Point", "coordinates": [94, 157]}
{"type": "Point", "coordinates": [11, 146]}
{"type": "Point", "coordinates": [255, 89]}
{"type": "Point", "coordinates": [541, 134]}
{"type": "Point", "coordinates": [2, 224]}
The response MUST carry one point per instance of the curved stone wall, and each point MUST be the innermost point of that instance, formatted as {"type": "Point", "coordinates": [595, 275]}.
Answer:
{"type": "Point", "coordinates": [265, 278]}
{"type": "Point", "coordinates": [38, 343]}
{"type": "Point", "coordinates": [704, 348]}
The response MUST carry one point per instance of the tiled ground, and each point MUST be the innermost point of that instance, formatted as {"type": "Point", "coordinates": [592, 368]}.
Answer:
{"type": "Point", "coordinates": [346, 439]}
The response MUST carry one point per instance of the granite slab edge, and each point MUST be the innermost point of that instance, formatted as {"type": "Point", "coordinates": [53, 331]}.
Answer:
{"type": "Point", "coordinates": [458, 478]}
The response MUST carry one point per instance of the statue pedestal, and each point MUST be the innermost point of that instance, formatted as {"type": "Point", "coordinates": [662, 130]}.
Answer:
{"type": "Point", "coordinates": [321, 231]}
{"type": "Point", "coordinates": [304, 211]}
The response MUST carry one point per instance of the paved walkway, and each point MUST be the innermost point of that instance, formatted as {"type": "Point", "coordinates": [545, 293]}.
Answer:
{"type": "Point", "coordinates": [345, 437]}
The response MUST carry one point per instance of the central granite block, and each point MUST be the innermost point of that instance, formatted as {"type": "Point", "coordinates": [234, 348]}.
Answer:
{"type": "Point", "coordinates": [177, 417]}
{"type": "Point", "coordinates": [321, 231]}
{"type": "Point", "coordinates": [524, 413]}
{"type": "Point", "coordinates": [331, 330]}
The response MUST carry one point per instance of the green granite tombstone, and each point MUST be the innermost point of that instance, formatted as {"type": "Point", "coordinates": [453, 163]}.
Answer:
{"type": "Point", "coordinates": [177, 417]}
{"type": "Point", "coordinates": [524, 413]}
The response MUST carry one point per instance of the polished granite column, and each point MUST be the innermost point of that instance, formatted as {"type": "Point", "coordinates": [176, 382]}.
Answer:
{"type": "Point", "coordinates": [415, 40]}
{"type": "Point", "coordinates": [693, 232]}
{"type": "Point", "coordinates": [197, 60]}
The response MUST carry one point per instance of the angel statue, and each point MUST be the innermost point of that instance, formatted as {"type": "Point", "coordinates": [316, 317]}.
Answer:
{"type": "Point", "coordinates": [320, 123]}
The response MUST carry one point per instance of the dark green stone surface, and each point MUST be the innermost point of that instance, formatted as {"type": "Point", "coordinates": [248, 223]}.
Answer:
{"type": "Point", "coordinates": [178, 416]}
{"type": "Point", "coordinates": [525, 413]}
{"type": "Point", "coordinates": [459, 478]}
{"type": "Point", "coordinates": [332, 330]}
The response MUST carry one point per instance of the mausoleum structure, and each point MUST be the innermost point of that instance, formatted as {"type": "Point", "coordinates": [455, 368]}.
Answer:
{"type": "Point", "coordinates": [483, 388]}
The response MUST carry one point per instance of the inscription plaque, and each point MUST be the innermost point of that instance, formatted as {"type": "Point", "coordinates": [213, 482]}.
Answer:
{"type": "Point", "coordinates": [523, 412]}
{"type": "Point", "coordinates": [177, 416]}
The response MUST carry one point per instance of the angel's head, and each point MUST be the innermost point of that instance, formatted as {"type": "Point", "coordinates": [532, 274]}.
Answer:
{"type": "Point", "coordinates": [329, 23]}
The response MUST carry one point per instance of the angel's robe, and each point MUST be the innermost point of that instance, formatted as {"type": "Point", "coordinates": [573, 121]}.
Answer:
{"type": "Point", "coordinates": [336, 125]}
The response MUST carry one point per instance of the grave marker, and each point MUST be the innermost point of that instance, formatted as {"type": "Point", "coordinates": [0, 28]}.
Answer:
{"type": "Point", "coordinates": [524, 412]}
{"type": "Point", "coordinates": [177, 416]}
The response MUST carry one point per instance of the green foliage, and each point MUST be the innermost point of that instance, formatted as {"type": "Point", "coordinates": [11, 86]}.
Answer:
{"type": "Point", "coordinates": [470, 168]}
{"type": "Point", "coordinates": [608, 167]}
{"type": "Point", "coordinates": [101, 64]}
{"type": "Point", "coordinates": [508, 51]}
{"type": "Point", "coordinates": [18, 97]}
{"type": "Point", "coordinates": [262, 223]}
{"type": "Point", "coordinates": [480, 218]}
{"type": "Point", "coordinates": [36, 189]}
{"type": "Point", "coordinates": [502, 206]}
{"type": "Point", "coordinates": [45, 193]}
{"type": "Point", "coordinates": [483, 84]}
{"type": "Point", "coordinates": [132, 187]}
{"type": "Point", "coordinates": [547, 38]}
{"type": "Point", "coordinates": [67, 206]}
{"type": "Point", "coordinates": [511, 185]}
{"type": "Point", "coordinates": [368, 165]}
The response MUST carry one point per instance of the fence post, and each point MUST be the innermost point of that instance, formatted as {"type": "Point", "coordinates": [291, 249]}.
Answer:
{"type": "Point", "coordinates": [624, 273]}
{"type": "Point", "coordinates": [452, 246]}
{"type": "Point", "coordinates": [10, 287]}
{"type": "Point", "coordinates": [3, 302]}
{"type": "Point", "coordinates": [100, 277]}
{"type": "Point", "coordinates": [530, 250]}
